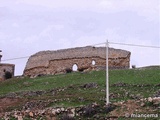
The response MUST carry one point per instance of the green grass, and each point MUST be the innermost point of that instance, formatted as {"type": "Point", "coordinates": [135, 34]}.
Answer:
{"type": "Point", "coordinates": [143, 83]}
{"type": "Point", "coordinates": [147, 76]}
{"type": "Point", "coordinates": [132, 77]}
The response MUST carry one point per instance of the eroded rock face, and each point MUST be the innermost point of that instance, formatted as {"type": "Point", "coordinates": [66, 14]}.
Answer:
{"type": "Point", "coordinates": [85, 58]}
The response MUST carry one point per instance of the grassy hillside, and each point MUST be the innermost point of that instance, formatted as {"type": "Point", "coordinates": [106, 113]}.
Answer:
{"type": "Point", "coordinates": [150, 77]}
{"type": "Point", "coordinates": [76, 89]}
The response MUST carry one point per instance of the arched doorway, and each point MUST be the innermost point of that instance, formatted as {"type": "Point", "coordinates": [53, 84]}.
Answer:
{"type": "Point", "coordinates": [75, 67]}
{"type": "Point", "coordinates": [93, 62]}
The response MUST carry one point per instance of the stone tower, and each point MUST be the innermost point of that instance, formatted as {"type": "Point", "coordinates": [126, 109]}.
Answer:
{"type": "Point", "coordinates": [0, 55]}
{"type": "Point", "coordinates": [5, 69]}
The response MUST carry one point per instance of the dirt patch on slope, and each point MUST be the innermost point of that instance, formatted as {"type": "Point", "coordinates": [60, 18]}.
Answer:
{"type": "Point", "coordinates": [8, 102]}
{"type": "Point", "coordinates": [125, 108]}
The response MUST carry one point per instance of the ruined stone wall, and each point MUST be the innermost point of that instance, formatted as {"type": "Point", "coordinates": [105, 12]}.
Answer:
{"type": "Point", "coordinates": [56, 62]}
{"type": "Point", "coordinates": [6, 68]}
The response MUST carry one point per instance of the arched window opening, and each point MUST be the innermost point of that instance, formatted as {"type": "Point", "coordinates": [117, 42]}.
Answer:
{"type": "Point", "coordinates": [75, 67]}
{"type": "Point", "coordinates": [93, 62]}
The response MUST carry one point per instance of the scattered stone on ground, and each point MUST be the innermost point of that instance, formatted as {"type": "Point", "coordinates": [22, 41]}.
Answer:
{"type": "Point", "coordinates": [94, 110]}
{"type": "Point", "coordinates": [90, 85]}
{"type": "Point", "coordinates": [157, 94]}
{"type": "Point", "coordinates": [120, 84]}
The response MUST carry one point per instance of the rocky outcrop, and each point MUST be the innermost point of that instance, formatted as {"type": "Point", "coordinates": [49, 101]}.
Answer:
{"type": "Point", "coordinates": [85, 58]}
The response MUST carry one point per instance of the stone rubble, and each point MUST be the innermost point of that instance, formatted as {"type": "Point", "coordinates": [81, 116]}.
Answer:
{"type": "Point", "coordinates": [157, 94]}
{"type": "Point", "coordinates": [90, 85]}
{"type": "Point", "coordinates": [88, 110]}
{"type": "Point", "coordinates": [52, 112]}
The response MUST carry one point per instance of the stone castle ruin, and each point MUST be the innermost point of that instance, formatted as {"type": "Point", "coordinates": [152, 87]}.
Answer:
{"type": "Point", "coordinates": [6, 70]}
{"type": "Point", "coordinates": [84, 58]}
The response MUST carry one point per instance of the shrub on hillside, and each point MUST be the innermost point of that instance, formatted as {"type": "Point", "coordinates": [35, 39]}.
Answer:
{"type": "Point", "coordinates": [133, 66]}
{"type": "Point", "coordinates": [68, 70]}
{"type": "Point", "coordinates": [82, 69]}
{"type": "Point", "coordinates": [8, 75]}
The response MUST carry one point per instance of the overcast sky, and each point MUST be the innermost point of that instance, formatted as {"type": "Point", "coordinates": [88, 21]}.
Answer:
{"type": "Point", "coordinates": [29, 26]}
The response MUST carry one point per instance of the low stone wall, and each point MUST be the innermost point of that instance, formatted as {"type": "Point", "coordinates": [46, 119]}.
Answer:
{"type": "Point", "coordinates": [85, 58]}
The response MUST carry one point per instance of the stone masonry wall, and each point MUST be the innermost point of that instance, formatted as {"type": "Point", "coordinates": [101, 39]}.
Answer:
{"type": "Point", "coordinates": [6, 68]}
{"type": "Point", "coordinates": [56, 62]}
